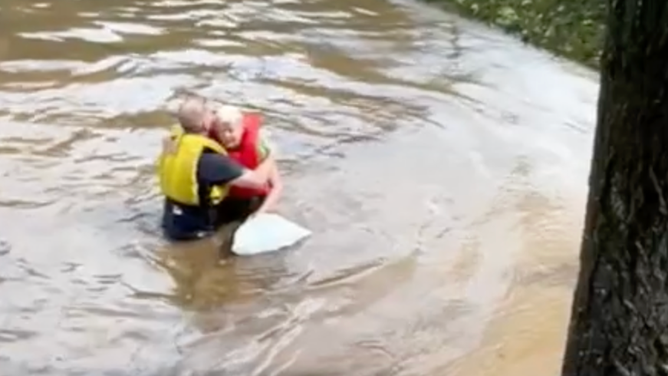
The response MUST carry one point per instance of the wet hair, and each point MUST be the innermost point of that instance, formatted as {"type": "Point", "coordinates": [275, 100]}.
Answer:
{"type": "Point", "coordinates": [227, 114]}
{"type": "Point", "coordinates": [192, 112]}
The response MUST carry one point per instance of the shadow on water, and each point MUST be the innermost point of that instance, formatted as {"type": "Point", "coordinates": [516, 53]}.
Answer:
{"type": "Point", "coordinates": [441, 166]}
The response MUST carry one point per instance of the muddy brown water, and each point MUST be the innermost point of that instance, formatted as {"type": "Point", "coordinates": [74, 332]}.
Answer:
{"type": "Point", "coordinates": [441, 165]}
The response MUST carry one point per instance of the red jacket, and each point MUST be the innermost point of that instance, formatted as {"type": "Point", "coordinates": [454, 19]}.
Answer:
{"type": "Point", "coordinates": [247, 155]}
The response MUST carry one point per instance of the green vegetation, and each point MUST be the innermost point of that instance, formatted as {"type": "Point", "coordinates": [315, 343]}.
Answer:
{"type": "Point", "coordinates": [570, 28]}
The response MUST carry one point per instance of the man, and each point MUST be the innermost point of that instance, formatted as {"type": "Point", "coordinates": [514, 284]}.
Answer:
{"type": "Point", "coordinates": [195, 174]}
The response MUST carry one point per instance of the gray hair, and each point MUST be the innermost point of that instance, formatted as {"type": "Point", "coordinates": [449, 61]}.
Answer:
{"type": "Point", "coordinates": [227, 114]}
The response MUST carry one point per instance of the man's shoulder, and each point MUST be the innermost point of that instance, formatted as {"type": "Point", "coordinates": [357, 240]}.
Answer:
{"type": "Point", "coordinates": [211, 161]}
{"type": "Point", "coordinates": [214, 167]}
{"type": "Point", "coordinates": [208, 157]}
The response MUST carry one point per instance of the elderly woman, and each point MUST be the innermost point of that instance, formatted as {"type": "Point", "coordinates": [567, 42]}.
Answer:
{"type": "Point", "coordinates": [239, 133]}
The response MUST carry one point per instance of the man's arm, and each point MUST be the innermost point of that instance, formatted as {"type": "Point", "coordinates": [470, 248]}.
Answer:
{"type": "Point", "coordinates": [256, 179]}
{"type": "Point", "coordinates": [219, 169]}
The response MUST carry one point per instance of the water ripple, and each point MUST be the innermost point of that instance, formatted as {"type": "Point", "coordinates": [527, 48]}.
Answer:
{"type": "Point", "coordinates": [435, 174]}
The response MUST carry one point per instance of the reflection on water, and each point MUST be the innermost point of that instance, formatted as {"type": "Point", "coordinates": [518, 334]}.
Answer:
{"type": "Point", "coordinates": [441, 166]}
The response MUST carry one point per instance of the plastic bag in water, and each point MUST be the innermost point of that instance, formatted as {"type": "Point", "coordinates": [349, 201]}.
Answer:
{"type": "Point", "coordinates": [266, 232]}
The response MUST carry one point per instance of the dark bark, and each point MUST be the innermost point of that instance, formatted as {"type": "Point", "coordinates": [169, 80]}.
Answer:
{"type": "Point", "coordinates": [619, 318]}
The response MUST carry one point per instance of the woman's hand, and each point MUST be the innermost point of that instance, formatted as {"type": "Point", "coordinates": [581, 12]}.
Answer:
{"type": "Point", "coordinates": [169, 145]}
{"type": "Point", "coordinates": [276, 188]}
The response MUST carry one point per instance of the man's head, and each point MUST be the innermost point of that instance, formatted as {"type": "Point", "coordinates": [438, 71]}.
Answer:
{"type": "Point", "coordinates": [228, 125]}
{"type": "Point", "coordinates": [195, 114]}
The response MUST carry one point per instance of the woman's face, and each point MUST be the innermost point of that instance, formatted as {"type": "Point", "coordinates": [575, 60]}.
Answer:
{"type": "Point", "coordinates": [229, 134]}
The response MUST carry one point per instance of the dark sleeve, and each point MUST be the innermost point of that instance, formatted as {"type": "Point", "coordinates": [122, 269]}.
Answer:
{"type": "Point", "coordinates": [217, 169]}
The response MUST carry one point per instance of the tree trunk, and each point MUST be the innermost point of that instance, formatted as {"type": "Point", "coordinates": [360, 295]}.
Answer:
{"type": "Point", "coordinates": [619, 318]}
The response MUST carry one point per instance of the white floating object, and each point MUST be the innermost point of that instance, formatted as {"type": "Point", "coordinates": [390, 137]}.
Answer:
{"type": "Point", "coordinates": [266, 232]}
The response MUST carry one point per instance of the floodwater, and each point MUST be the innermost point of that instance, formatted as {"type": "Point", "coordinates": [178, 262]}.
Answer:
{"type": "Point", "coordinates": [441, 165]}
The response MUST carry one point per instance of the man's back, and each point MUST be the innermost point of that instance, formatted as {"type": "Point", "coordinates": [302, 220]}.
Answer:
{"type": "Point", "coordinates": [182, 222]}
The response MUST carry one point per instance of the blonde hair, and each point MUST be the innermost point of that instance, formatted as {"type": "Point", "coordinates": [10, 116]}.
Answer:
{"type": "Point", "coordinates": [227, 114]}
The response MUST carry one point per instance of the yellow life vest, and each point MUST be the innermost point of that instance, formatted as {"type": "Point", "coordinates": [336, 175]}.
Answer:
{"type": "Point", "coordinates": [177, 171]}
